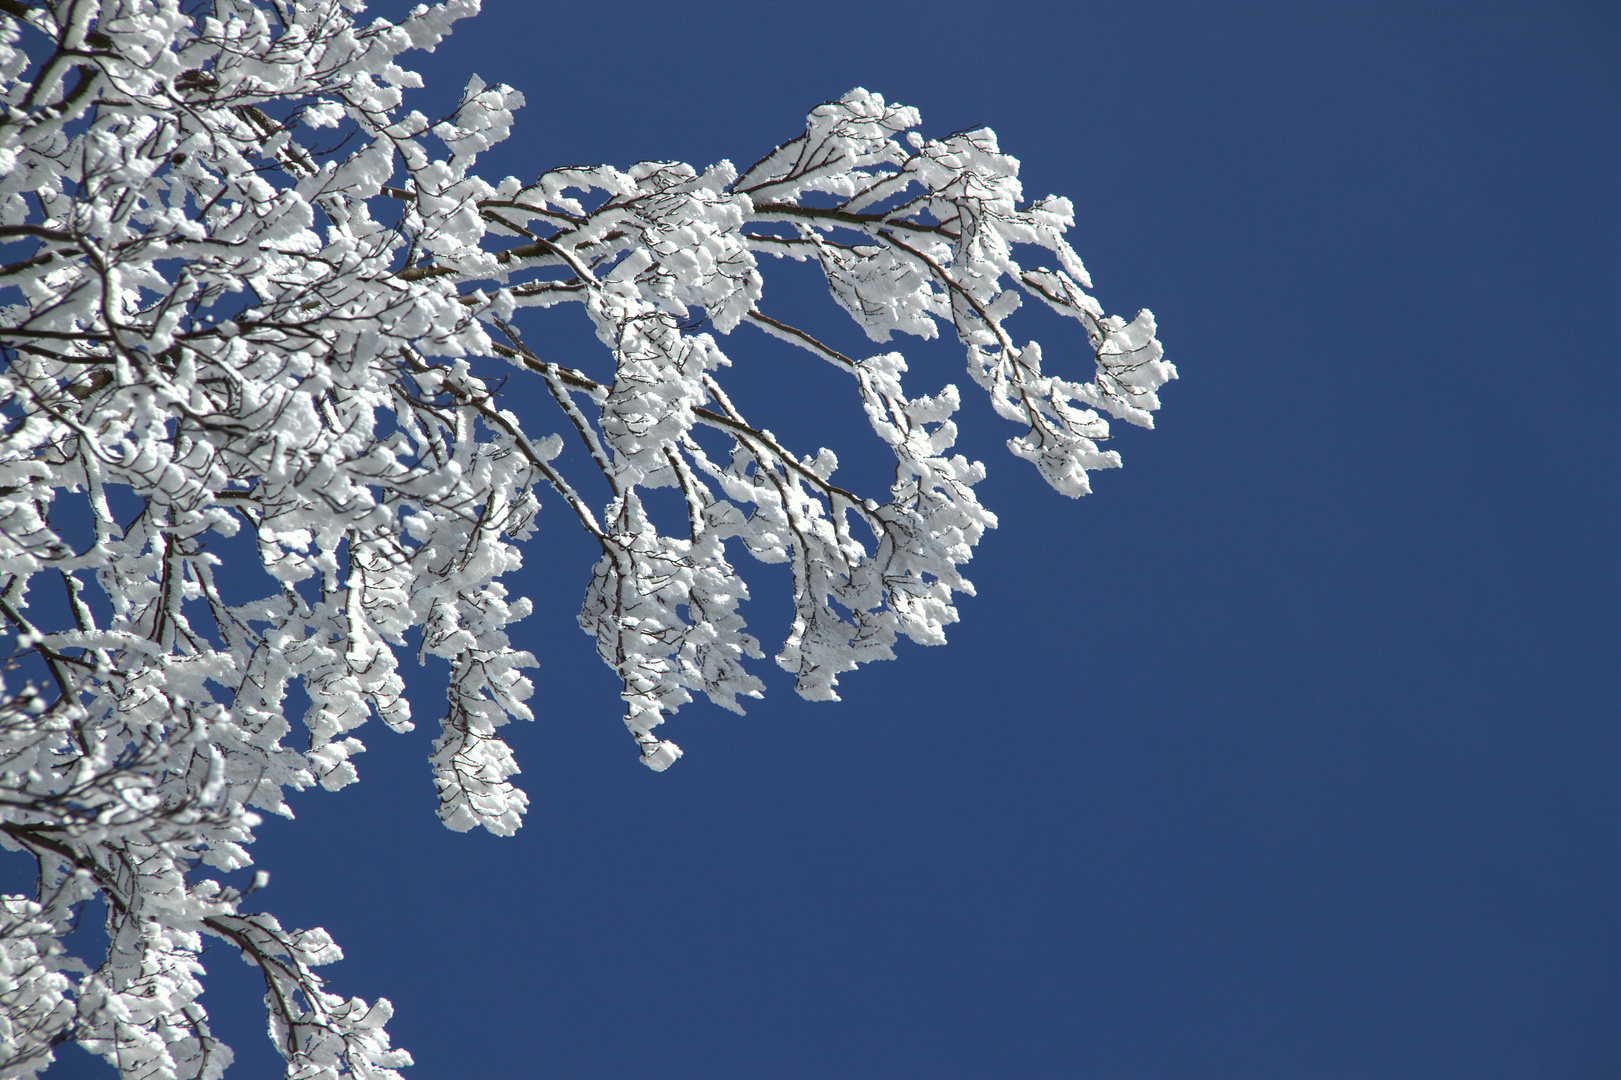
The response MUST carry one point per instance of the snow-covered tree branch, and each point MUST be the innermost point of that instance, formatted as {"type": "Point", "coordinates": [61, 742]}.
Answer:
{"type": "Point", "coordinates": [253, 442]}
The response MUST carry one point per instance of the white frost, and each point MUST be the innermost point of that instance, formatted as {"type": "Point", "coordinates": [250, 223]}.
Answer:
{"type": "Point", "coordinates": [250, 368]}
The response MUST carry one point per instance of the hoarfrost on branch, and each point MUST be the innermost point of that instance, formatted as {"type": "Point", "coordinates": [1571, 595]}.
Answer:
{"type": "Point", "coordinates": [220, 319]}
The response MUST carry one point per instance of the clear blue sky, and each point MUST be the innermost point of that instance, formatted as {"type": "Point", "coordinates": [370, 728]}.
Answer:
{"type": "Point", "coordinates": [1289, 753]}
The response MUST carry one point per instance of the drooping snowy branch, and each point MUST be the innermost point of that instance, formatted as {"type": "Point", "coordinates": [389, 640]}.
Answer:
{"type": "Point", "coordinates": [251, 447]}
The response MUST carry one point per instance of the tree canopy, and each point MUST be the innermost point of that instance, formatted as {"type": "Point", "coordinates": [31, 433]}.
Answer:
{"type": "Point", "coordinates": [255, 317]}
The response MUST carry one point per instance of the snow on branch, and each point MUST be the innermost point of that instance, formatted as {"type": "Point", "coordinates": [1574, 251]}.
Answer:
{"type": "Point", "coordinates": [253, 446]}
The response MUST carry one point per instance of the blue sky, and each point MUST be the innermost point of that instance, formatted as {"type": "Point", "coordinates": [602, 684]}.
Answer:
{"type": "Point", "coordinates": [1290, 752]}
